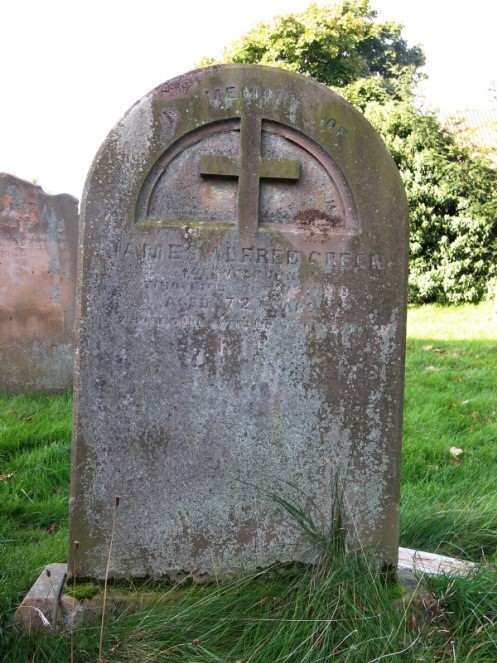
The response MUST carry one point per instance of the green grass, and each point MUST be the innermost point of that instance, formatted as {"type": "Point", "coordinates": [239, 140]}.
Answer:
{"type": "Point", "coordinates": [449, 504]}
{"type": "Point", "coordinates": [341, 611]}
{"type": "Point", "coordinates": [35, 434]}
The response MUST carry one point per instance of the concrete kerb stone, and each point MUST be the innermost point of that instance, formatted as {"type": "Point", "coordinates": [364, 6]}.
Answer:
{"type": "Point", "coordinates": [41, 609]}
{"type": "Point", "coordinates": [432, 563]}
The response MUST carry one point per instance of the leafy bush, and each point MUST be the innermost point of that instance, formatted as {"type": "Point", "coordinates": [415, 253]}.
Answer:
{"type": "Point", "coordinates": [452, 204]}
{"type": "Point", "coordinates": [452, 193]}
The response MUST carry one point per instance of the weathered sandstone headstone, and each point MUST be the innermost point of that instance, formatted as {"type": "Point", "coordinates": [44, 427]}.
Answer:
{"type": "Point", "coordinates": [243, 295]}
{"type": "Point", "coordinates": [38, 251]}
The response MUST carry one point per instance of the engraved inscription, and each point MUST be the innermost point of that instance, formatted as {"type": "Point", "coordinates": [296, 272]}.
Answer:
{"type": "Point", "coordinates": [332, 128]}
{"type": "Point", "coordinates": [220, 97]}
{"type": "Point", "coordinates": [236, 287]}
{"type": "Point", "coordinates": [274, 257]}
{"type": "Point", "coordinates": [169, 119]}
{"type": "Point", "coordinates": [38, 243]}
{"type": "Point", "coordinates": [295, 300]}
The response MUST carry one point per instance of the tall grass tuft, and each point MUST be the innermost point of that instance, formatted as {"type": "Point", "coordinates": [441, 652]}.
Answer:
{"type": "Point", "coordinates": [107, 569]}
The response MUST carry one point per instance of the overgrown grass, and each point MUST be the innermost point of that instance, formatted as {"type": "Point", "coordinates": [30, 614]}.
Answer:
{"type": "Point", "coordinates": [341, 611]}
{"type": "Point", "coordinates": [345, 614]}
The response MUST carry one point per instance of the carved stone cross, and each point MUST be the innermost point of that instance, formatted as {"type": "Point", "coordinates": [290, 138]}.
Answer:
{"type": "Point", "coordinates": [249, 168]}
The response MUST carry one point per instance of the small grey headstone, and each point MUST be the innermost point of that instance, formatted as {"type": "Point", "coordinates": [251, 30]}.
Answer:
{"type": "Point", "coordinates": [38, 251]}
{"type": "Point", "coordinates": [242, 324]}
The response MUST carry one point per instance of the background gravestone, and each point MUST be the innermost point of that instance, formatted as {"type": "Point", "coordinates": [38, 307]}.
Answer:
{"type": "Point", "coordinates": [242, 323]}
{"type": "Point", "coordinates": [38, 251]}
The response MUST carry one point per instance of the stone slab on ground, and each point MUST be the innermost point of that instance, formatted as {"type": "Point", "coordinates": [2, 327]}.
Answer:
{"type": "Point", "coordinates": [433, 563]}
{"type": "Point", "coordinates": [39, 610]}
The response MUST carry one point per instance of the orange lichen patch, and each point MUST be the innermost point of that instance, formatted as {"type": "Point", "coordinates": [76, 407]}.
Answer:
{"type": "Point", "coordinates": [319, 224]}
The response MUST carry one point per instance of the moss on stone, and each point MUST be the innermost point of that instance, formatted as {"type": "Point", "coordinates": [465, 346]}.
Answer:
{"type": "Point", "coordinates": [83, 592]}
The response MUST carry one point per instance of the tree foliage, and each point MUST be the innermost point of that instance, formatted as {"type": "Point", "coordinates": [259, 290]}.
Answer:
{"type": "Point", "coordinates": [452, 194]}
{"type": "Point", "coordinates": [452, 205]}
{"type": "Point", "coordinates": [336, 45]}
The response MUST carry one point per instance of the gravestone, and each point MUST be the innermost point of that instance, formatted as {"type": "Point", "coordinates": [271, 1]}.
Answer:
{"type": "Point", "coordinates": [38, 255]}
{"type": "Point", "coordinates": [242, 323]}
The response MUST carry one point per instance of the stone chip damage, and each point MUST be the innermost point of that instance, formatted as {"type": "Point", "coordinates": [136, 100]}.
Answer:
{"type": "Point", "coordinates": [318, 224]}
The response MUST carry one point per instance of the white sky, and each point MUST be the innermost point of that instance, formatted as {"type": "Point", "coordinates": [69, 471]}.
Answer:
{"type": "Point", "coordinates": [70, 69]}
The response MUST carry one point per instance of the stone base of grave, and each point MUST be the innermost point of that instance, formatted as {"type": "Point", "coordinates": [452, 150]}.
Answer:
{"type": "Point", "coordinates": [47, 609]}
{"type": "Point", "coordinates": [45, 606]}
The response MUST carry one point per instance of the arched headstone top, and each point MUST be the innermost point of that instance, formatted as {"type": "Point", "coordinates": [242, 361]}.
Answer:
{"type": "Point", "coordinates": [251, 146]}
